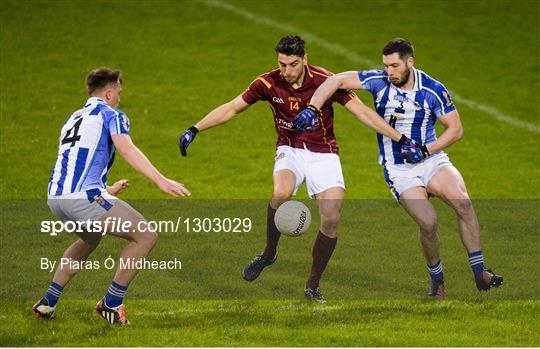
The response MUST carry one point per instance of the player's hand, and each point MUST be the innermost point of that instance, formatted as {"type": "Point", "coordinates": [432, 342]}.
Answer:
{"type": "Point", "coordinates": [118, 187]}
{"type": "Point", "coordinates": [186, 138]}
{"type": "Point", "coordinates": [307, 117]}
{"type": "Point", "coordinates": [173, 188]}
{"type": "Point", "coordinates": [412, 151]}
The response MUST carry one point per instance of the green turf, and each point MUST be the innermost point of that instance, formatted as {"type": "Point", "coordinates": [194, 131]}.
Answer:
{"type": "Point", "coordinates": [181, 59]}
{"type": "Point", "coordinates": [178, 64]}
{"type": "Point", "coordinates": [282, 323]}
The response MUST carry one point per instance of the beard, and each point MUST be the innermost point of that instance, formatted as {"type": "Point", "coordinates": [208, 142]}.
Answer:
{"type": "Point", "coordinates": [291, 80]}
{"type": "Point", "coordinates": [403, 80]}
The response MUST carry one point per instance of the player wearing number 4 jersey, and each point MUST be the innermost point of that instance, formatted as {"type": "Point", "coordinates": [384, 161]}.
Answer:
{"type": "Point", "coordinates": [411, 102]}
{"type": "Point", "coordinates": [301, 155]}
{"type": "Point", "coordinates": [78, 190]}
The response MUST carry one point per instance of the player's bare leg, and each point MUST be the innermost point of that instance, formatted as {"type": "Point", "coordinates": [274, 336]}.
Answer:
{"type": "Point", "coordinates": [448, 184]}
{"type": "Point", "coordinates": [330, 203]}
{"type": "Point", "coordinates": [284, 184]}
{"type": "Point", "coordinates": [141, 242]}
{"type": "Point", "coordinates": [77, 252]}
{"type": "Point", "coordinates": [415, 202]}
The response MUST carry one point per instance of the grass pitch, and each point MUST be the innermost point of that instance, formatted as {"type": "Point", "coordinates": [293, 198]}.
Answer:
{"type": "Point", "coordinates": [279, 323]}
{"type": "Point", "coordinates": [181, 59]}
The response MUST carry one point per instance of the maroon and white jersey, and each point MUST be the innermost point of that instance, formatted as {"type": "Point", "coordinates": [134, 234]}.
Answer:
{"type": "Point", "coordinates": [286, 102]}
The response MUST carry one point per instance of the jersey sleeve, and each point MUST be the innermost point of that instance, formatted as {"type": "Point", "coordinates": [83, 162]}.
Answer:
{"type": "Point", "coordinates": [117, 122]}
{"type": "Point", "coordinates": [439, 99]}
{"type": "Point", "coordinates": [257, 91]}
{"type": "Point", "coordinates": [373, 80]}
{"type": "Point", "coordinates": [343, 96]}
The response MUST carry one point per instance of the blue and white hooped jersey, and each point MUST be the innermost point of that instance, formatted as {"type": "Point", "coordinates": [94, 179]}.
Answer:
{"type": "Point", "coordinates": [412, 113]}
{"type": "Point", "coordinates": [86, 151]}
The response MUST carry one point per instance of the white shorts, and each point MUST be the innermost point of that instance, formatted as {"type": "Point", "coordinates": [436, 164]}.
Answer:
{"type": "Point", "coordinates": [321, 171]}
{"type": "Point", "coordinates": [82, 206]}
{"type": "Point", "coordinates": [399, 178]}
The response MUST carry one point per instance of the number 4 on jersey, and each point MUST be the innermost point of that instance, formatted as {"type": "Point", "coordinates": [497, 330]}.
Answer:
{"type": "Point", "coordinates": [72, 135]}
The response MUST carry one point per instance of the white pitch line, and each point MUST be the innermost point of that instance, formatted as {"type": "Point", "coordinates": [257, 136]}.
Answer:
{"type": "Point", "coordinates": [353, 57]}
{"type": "Point", "coordinates": [310, 37]}
{"type": "Point", "coordinates": [496, 114]}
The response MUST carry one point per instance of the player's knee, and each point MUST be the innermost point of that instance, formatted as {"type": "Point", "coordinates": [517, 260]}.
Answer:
{"type": "Point", "coordinates": [281, 194]}
{"type": "Point", "coordinates": [462, 206]}
{"type": "Point", "coordinates": [92, 245]}
{"type": "Point", "coordinates": [92, 242]}
{"type": "Point", "coordinates": [146, 237]}
{"type": "Point", "coordinates": [150, 238]}
{"type": "Point", "coordinates": [330, 221]}
{"type": "Point", "coordinates": [428, 224]}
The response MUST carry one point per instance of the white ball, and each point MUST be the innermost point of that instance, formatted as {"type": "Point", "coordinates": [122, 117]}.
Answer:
{"type": "Point", "coordinates": [292, 218]}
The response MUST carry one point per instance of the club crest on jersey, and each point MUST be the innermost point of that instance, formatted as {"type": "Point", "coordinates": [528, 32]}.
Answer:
{"type": "Point", "coordinates": [125, 123]}
{"type": "Point", "coordinates": [447, 97]}
{"type": "Point", "coordinates": [99, 199]}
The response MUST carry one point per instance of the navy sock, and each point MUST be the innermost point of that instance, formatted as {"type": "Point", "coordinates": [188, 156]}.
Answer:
{"type": "Point", "coordinates": [53, 293]}
{"type": "Point", "coordinates": [436, 272]}
{"type": "Point", "coordinates": [476, 260]}
{"type": "Point", "coordinates": [115, 295]}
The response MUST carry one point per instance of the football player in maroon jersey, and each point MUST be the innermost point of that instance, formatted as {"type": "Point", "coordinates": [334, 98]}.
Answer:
{"type": "Point", "coordinates": [310, 156]}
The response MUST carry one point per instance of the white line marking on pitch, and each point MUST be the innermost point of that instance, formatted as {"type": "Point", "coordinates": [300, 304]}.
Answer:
{"type": "Point", "coordinates": [353, 57]}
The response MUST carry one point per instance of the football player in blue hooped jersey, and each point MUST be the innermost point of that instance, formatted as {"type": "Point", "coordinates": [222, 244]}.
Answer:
{"type": "Point", "coordinates": [78, 192]}
{"type": "Point", "coordinates": [411, 101]}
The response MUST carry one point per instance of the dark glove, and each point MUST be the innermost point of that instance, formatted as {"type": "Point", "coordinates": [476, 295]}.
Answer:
{"type": "Point", "coordinates": [412, 151]}
{"type": "Point", "coordinates": [307, 117]}
{"type": "Point", "coordinates": [186, 139]}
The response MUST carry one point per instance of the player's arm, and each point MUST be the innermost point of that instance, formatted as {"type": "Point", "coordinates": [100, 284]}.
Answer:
{"type": "Point", "coordinates": [416, 152]}
{"type": "Point", "coordinates": [218, 116]}
{"type": "Point", "coordinates": [345, 81]}
{"type": "Point", "coordinates": [453, 132]}
{"type": "Point", "coordinates": [140, 163]}
{"type": "Point", "coordinates": [222, 114]}
{"type": "Point", "coordinates": [350, 81]}
{"type": "Point", "coordinates": [371, 119]}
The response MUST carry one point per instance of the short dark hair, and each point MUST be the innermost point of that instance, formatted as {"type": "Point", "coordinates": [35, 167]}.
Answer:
{"type": "Point", "coordinates": [291, 45]}
{"type": "Point", "coordinates": [101, 77]}
{"type": "Point", "coordinates": [401, 46]}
